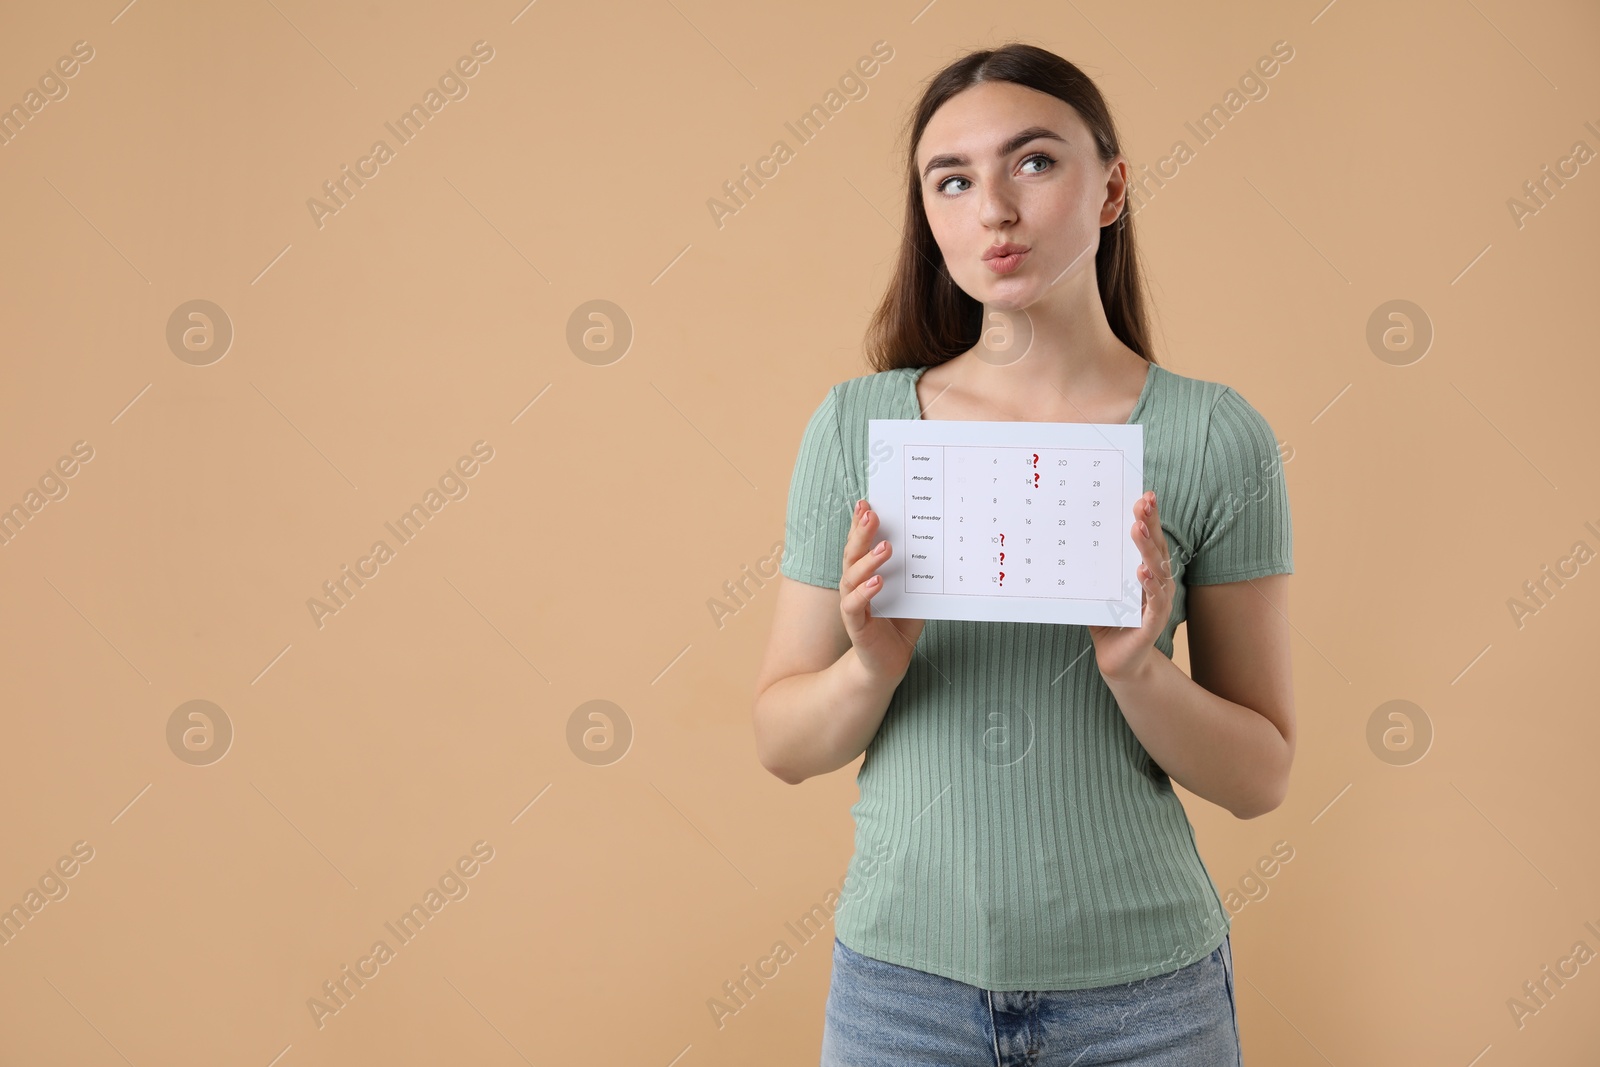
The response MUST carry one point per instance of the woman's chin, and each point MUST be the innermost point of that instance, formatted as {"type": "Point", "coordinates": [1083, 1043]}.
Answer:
{"type": "Point", "coordinates": [1004, 297]}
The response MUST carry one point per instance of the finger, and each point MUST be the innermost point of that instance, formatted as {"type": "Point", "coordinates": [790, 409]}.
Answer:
{"type": "Point", "coordinates": [1154, 557]}
{"type": "Point", "coordinates": [1151, 538]}
{"type": "Point", "coordinates": [1145, 511]}
{"type": "Point", "coordinates": [855, 543]}
{"type": "Point", "coordinates": [1155, 596]}
{"type": "Point", "coordinates": [857, 603]}
{"type": "Point", "coordinates": [1157, 591]}
{"type": "Point", "coordinates": [1152, 517]}
{"type": "Point", "coordinates": [863, 528]}
{"type": "Point", "coordinates": [867, 566]}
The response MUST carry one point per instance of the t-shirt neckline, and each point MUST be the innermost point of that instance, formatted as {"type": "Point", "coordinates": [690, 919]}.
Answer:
{"type": "Point", "coordinates": [1138, 405]}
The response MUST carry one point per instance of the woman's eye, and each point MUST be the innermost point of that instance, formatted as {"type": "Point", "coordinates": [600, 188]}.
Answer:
{"type": "Point", "coordinates": [1037, 157]}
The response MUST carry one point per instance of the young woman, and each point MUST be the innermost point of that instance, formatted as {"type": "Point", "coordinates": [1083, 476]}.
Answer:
{"type": "Point", "coordinates": [1025, 886]}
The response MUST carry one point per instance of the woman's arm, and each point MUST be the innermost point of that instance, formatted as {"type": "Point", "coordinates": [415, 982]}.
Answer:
{"type": "Point", "coordinates": [816, 706]}
{"type": "Point", "coordinates": [1228, 733]}
{"type": "Point", "coordinates": [831, 667]}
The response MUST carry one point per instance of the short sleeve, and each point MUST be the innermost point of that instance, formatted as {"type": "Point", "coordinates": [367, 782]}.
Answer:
{"type": "Point", "coordinates": [820, 502]}
{"type": "Point", "coordinates": [1243, 526]}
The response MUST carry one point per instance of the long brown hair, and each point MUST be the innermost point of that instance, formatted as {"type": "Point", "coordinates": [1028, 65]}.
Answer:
{"type": "Point", "coordinates": [924, 318]}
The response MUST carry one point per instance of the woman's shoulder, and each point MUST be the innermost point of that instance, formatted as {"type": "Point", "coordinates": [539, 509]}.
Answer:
{"type": "Point", "coordinates": [1189, 390]}
{"type": "Point", "coordinates": [1204, 400]}
{"type": "Point", "coordinates": [1214, 420]}
{"type": "Point", "coordinates": [875, 394]}
{"type": "Point", "coordinates": [845, 408]}
{"type": "Point", "coordinates": [877, 382]}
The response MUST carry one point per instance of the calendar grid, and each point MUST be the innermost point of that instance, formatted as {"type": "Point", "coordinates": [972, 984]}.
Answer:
{"type": "Point", "coordinates": [1008, 520]}
{"type": "Point", "coordinates": [933, 495]}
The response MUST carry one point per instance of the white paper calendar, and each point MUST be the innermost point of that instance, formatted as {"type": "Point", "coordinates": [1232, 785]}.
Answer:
{"type": "Point", "coordinates": [1008, 521]}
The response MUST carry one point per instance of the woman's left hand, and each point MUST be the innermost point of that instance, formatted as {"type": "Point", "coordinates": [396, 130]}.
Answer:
{"type": "Point", "coordinates": [1122, 651]}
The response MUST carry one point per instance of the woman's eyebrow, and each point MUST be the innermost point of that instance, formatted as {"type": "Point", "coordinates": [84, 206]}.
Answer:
{"type": "Point", "coordinates": [1014, 142]}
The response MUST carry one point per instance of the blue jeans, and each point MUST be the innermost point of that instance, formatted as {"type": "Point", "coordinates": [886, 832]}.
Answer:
{"type": "Point", "coordinates": [881, 1014]}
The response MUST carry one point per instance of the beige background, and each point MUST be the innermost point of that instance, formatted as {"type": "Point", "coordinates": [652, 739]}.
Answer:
{"type": "Point", "coordinates": [432, 711]}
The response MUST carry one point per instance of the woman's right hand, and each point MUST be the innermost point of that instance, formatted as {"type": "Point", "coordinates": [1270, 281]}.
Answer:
{"type": "Point", "coordinates": [883, 645]}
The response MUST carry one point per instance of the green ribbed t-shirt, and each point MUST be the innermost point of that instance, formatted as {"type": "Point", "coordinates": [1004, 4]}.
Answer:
{"type": "Point", "coordinates": [1012, 833]}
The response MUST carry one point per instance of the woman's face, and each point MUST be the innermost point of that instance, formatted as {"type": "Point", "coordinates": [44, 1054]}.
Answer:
{"type": "Point", "coordinates": [1001, 163]}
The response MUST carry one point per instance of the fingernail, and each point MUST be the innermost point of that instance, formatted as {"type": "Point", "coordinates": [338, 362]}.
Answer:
{"type": "Point", "coordinates": [863, 516]}
{"type": "Point", "coordinates": [878, 549]}
{"type": "Point", "coordinates": [1145, 528]}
